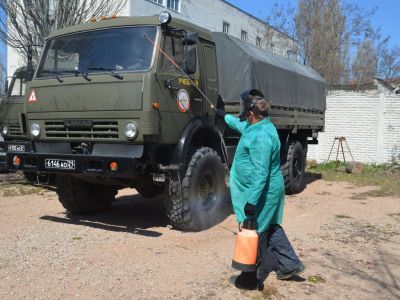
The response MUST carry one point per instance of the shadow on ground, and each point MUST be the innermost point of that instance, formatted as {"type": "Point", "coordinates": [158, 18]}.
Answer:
{"type": "Point", "coordinates": [133, 214]}
{"type": "Point", "coordinates": [311, 177]}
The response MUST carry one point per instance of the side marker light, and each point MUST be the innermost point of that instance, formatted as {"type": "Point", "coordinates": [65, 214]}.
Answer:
{"type": "Point", "coordinates": [113, 166]}
{"type": "Point", "coordinates": [17, 161]}
{"type": "Point", "coordinates": [156, 106]}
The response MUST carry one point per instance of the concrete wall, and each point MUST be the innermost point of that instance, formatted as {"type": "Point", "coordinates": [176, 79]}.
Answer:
{"type": "Point", "coordinates": [369, 120]}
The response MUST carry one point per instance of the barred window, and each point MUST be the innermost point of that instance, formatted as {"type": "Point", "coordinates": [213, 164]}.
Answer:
{"type": "Point", "coordinates": [258, 42]}
{"type": "Point", "coordinates": [174, 5]}
{"type": "Point", "coordinates": [244, 36]}
{"type": "Point", "coordinates": [225, 27]}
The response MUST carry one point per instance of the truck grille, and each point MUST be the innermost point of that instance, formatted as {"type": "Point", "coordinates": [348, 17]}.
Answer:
{"type": "Point", "coordinates": [99, 130]}
{"type": "Point", "coordinates": [15, 129]}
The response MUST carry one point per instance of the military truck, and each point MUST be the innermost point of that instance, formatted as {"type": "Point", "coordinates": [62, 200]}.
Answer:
{"type": "Point", "coordinates": [13, 123]}
{"type": "Point", "coordinates": [130, 102]}
{"type": "Point", "coordinates": [12, 116]}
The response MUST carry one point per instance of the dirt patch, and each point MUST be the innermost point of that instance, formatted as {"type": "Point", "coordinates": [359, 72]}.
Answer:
{"type": "Point", "coordinates": [131, 252]}
{"type": "Point", "coordinates": [15, 184]}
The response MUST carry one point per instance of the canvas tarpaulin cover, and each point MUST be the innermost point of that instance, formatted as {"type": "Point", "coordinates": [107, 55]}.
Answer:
{"type": "Point", "coordinates": [285, 83]}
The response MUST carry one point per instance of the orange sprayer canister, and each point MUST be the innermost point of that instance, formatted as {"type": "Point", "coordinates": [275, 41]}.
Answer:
{"type": "Point", "coordinates": [246, 248]}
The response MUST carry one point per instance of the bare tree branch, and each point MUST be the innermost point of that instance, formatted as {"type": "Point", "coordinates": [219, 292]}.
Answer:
{"type": "Point", "coordinates": [30, 21]}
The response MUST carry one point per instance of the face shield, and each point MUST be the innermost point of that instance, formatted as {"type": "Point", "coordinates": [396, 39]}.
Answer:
{"type": "Point", "coordinates": [247, 102]}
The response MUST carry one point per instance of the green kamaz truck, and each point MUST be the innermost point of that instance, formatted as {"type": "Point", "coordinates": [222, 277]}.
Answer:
{"type": "Point", "coordinates": [12, 116]}
{"type": "Point", "coordinates": [129, 102]}
{"type": "Point", "coordinates": [13, 123]}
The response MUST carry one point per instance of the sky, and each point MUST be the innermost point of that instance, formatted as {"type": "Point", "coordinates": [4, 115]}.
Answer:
{"type": "Point", "coordinates": [387, 17]}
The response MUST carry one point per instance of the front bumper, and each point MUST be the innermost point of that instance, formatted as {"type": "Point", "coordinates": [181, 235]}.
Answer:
{"type": "Point", "coordinates": [15, 146]}
{"type": "Point", "coordinates": [89, 165]}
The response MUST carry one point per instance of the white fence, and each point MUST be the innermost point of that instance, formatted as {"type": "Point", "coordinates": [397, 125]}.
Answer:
{"type": "Point", "coordinates": [370, 121]}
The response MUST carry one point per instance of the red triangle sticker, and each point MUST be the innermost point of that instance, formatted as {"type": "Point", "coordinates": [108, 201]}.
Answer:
{"type": "Point", "coordinates": [32, 97]}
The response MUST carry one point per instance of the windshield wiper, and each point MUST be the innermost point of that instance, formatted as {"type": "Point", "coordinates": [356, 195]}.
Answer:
{"type": "Point", "coordinates": [109, 70]}
{"type": "Point", "coordinates": [55, 75]}
{"type": "Point", "coordinates": [78, 73]}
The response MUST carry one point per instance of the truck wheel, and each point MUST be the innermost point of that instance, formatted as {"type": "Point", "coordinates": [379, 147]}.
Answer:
{"type": "Point", "coordinates": [200, 201]}
{"type": "Point", "coordinates": [294, 168]}
{"type": "Point", "coordinates": [80, 197]}
{"type": "Point", "coordinates": [148, 189]}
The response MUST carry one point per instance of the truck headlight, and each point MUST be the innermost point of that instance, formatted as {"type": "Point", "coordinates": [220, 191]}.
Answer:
{"type": "Point", "coordinates": [35, 130]}
{"type": "Point", "coordinates": [4, 130]}
{"type": "Point", "coordinates": [131, 130]}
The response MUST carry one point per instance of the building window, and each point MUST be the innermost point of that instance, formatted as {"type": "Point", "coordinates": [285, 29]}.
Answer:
{"type": "Point", "coordinates": [225, 27]}
{"type": "Point", "coordinates": [292, 55]}
{"type": "Point", "coordinates": [160, 2]}
{"type": "Point", "coordinates": [258, 42]}
{"type": "Point", "coordinates": [174, 5]}
{"type": "Point", "coordinates": [244, 36]}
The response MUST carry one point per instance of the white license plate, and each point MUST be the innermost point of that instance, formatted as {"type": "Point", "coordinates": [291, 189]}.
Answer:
{"type": "Point", "coordinates": [16, 148]}
{"type": "Point", "coordinates": [64, 164]}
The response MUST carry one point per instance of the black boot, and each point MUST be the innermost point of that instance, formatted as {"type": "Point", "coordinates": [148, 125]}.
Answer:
{"type": "Point", "coordinates": [247, 281]}
{"type": "Point", "coordinates": [282, 276]}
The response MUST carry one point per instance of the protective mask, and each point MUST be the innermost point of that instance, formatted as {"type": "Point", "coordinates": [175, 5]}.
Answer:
{"type": "Point", "coordinates": [247, 102]}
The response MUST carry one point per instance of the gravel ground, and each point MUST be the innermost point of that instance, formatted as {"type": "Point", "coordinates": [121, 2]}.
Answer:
{"type": "Point", "coordinates": [350, 248]}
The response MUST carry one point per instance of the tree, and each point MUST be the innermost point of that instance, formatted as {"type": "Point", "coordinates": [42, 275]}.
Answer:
{"type": "Point", "coordinates": [326, 31]}
{"type": "Point", "coordinates": [27, 22]}
{"type": "Point", "coordinates": [388, 60]}
{"type": "Point", "coordinates": [364, 65]}
{"type": "Point", "coordinates": [278, 31]}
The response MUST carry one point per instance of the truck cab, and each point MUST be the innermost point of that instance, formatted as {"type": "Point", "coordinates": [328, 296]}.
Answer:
{"type": "Point", "coordinates": [12, 115]}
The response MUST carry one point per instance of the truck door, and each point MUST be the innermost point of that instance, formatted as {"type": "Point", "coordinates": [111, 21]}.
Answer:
{"type": "Point", "coordinates": [210, 72]}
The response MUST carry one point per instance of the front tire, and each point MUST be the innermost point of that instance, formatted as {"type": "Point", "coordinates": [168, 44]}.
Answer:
{"type": "Point", "coordinates": [199, 202]}
{"type": "Point", "coordinates": [80, 197]}
{"type": "Point", "coordinates": [294, 169]}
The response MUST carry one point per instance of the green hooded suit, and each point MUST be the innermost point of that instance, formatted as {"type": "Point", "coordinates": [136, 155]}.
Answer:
{"type": "Point", "coordinates": [255, 175]}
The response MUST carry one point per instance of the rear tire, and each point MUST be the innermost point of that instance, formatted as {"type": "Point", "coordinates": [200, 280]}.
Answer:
{"type": "Point", "coordinates": [80, 197]}
{"type": "Point", "coordinates": [199, 202]}
{"type": "Point", "coordinates": [294, 169]}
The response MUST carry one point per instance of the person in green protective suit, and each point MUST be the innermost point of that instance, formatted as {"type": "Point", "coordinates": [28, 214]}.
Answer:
{"type": "Point", "coordinates": [258, 190]}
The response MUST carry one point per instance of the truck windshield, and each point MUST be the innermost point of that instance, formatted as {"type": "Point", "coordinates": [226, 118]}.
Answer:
{"type": "Point", "coordinates": [119, 49]}
{"type": "Point", "coordinates": [17, 87]}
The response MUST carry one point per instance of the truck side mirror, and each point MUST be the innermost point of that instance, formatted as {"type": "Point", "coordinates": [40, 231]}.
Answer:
{"type": "Point", "coordinates": [190, 38]}
{"type": "Point", "coordinates": [191, 60]}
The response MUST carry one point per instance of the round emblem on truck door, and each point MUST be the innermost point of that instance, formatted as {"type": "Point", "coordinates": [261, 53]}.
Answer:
{"type": "Point", "coordinates": [183, 100]}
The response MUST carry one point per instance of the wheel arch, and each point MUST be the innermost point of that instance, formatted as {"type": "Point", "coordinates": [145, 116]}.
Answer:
{"type": "Point", "coordinates": [198, 133]}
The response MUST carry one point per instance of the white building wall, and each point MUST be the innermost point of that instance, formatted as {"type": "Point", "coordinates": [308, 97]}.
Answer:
{"type": "Point", "coordinates": [211, 14]}
{"type": "Point", "coordinates": [370, 121]}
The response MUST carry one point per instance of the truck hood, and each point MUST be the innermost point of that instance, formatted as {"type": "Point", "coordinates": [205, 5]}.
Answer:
{"type": "Point", "coordinates": [75, 94]}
